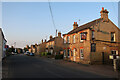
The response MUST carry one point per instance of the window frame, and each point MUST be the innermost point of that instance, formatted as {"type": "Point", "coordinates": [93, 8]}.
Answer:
{"type": "Point", "coordinates": [74, 39]}
{"type": "Point", "coordinates": [68, 39]}
{"type": "Point", "coordinates": [113, 33]}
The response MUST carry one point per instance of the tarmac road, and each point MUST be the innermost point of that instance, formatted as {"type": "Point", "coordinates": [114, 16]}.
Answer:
{"type": "Point", "coordinates": [22, 66]}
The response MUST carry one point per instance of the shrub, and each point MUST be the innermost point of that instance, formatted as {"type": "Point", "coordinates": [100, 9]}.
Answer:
{"type": "Point", "coordinates": [42, 54]}
{"type": "Point", "coordinates": [59, 56]}
{"type": "Point", "coordinates": [45, 53]}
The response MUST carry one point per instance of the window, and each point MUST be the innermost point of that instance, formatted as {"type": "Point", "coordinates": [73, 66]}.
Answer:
{"type": "Point", "coordinates": [64, 53]}
{"type": "Point", "coordinates": [68, 39]}
{"type": "Point", "coordinates": [93, 35]}
{"type": "Point", "coordinates": [73, 38]}
{"type": "Point", "coordinates": [93, 47]}
{"type": "Point", "coordinates": [68, 52]}
{"type": "Point", "coordinates": [112, 36]}
{"type": "Point", "coordinates": [64, 39]}
{"type": "Point", "coordinates": [82, 37]}
{"type": "Point", "coordinates": [71, 53]}
{"type": "Point", "coordinates": [81, 54]}
{"type": "Point", "coordinates": [114, 52]}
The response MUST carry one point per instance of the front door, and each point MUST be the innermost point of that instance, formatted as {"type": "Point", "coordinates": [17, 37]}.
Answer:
{"type": "Point", "coordinates": [51, 51]}
{"type": "Point", "coordinates": [74, 55]}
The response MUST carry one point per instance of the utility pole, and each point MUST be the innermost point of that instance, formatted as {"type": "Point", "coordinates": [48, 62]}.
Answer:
{"type": "Point", "coordinates": [15, 46]}
{"type": "Point", "coordinates": [56, 32]}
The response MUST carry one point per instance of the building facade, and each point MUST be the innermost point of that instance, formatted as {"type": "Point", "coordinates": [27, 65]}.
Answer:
{"type": "Point", "coordinates": [54, 45]}
{"type": "Point", "coordinates": [2, 45]}
{"type": "Point", "coordinates": [92, 42]}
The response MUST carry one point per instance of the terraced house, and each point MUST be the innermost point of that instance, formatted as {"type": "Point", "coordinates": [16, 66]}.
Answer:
{"type": "Point", "coordinates": [54, 45]}
{"type": "Point", "coordinates": [92, 42]}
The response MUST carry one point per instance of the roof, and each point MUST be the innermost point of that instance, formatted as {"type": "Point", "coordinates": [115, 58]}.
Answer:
{"type": "Point", "coordinates": [51, 40]}
{"type": "Point", "coordinates": [85, 26]}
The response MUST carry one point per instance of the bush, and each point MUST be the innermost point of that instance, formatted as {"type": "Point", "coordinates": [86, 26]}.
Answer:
{"type": "Point", "coordinates": [42, 54]}
{"type": "Point", "coordinates": [59, 56]}
{"type": "Point", "coordinates": [45, 53]}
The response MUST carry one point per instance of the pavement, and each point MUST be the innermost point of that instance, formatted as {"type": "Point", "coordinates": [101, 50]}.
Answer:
{"type": "Point", "coordinates": [22, 66]}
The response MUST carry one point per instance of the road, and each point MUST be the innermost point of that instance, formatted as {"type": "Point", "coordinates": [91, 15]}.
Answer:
{"type": "Point", "coordinates": [22, 66]}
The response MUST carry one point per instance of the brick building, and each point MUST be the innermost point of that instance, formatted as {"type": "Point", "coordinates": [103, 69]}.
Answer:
{"type": "Point", "coordinates": [92, 42]}
{"type": "Point", "coordinates": [55, 45]}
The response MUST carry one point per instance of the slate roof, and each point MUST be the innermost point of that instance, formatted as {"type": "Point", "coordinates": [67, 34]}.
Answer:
{"type": "Point", "coordinates": [85, 26]}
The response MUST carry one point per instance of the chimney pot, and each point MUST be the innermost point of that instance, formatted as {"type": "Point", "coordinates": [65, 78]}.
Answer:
{"type": "Point", "coordinates": [102, 8]}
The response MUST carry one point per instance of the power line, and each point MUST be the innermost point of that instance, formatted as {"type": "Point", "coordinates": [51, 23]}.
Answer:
{"type": "Point", "coordinates": [52, 15]}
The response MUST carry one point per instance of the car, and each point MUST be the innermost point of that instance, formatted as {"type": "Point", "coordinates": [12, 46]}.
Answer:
{"type": "Point", "coordinates": [31, 54]}
{"type": "Point", "coordinates": [27, 53]}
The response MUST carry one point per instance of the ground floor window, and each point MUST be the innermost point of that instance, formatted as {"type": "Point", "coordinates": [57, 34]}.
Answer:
{"type": "Point", "coordinates": [114, 52]}
{"type": "Point", "coordinates": [68, 51]}
{"type": "Point", "coordinates": [81, 54]}
{"type": "Point", "coordinates": [64, 53]}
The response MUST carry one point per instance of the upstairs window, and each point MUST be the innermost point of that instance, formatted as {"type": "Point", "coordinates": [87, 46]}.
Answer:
{"type": "Point", "coordinates": [64, 39]}
{"type": "Point", "coordinates": [83, 36]}
{"type": "Point", "coordinates": [73, 38]}
{"type": "Point", "coordinates": [68, 39]}
{"type": "Point", "coordinates": [112, 36]}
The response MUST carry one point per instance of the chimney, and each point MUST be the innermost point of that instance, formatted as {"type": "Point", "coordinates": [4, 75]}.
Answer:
{"type": "Point", "coordinates": [104, 14]}
{"type": "Point", "coordinates": [51, 37]}
{"type": "Point", "coordinates": [59, 34]}
{"type": "Point", "coordinates": [45, 40]}
{"type": "Point", "coordinates": [75, 25]}
{"type": "Point", "coordinates": [42, 40]}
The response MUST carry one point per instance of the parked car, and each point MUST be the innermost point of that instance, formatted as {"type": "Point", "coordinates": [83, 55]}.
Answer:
{"type": "Point", "coordinates": [27, 53]}
{"type": "Point", "coordinates": [31, 54]}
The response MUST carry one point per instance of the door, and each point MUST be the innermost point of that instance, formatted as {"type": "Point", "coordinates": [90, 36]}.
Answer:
{"type": "Point", "coordinates": [74, 55]}
{"type": "Point", "coordinates": [103, 58]}
{"type": "Point", "coordinates": [51, 51]}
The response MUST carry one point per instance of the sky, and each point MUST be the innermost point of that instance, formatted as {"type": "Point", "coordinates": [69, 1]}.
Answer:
{"type": "Point", "coordinates": [30, 22]}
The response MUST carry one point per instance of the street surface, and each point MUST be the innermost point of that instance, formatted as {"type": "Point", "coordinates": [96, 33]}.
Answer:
{"type": "Point", "coordinates": [22, 66]}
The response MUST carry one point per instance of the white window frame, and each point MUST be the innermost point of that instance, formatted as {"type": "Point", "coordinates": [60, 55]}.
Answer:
{"type": "Point", "coordinates": [69, 53]}
{"type": "Point", "coordinates": [68, 39]}
{"type": "Point", "coordinates": [115, 51]}
{"type": "Point", "coordinates": [113, 35]}
{"type": "Point", "coordinates": [64, 39]}
{"type": "Point", "coordinates": [65, 53]}
{"type": "Point", "coordinates": [80, 38]}
{"type": "Point", "coordinates": [73, 38]}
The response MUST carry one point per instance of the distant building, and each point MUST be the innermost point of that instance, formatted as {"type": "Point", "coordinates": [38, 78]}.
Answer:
{"type": "Point", "coordinates": [2, 45]}
{"type": "Point", "coordinates": [54, 45]}
{"type": "Point", "coordinates": [92, 42]}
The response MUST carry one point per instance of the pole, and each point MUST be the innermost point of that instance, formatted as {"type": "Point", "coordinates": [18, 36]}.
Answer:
{"type": "Point", "coordinates": [114, 65]}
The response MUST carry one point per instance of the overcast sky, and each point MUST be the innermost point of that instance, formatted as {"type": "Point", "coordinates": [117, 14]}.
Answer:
{"type": "Point", "coordinates": [30, 22]}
